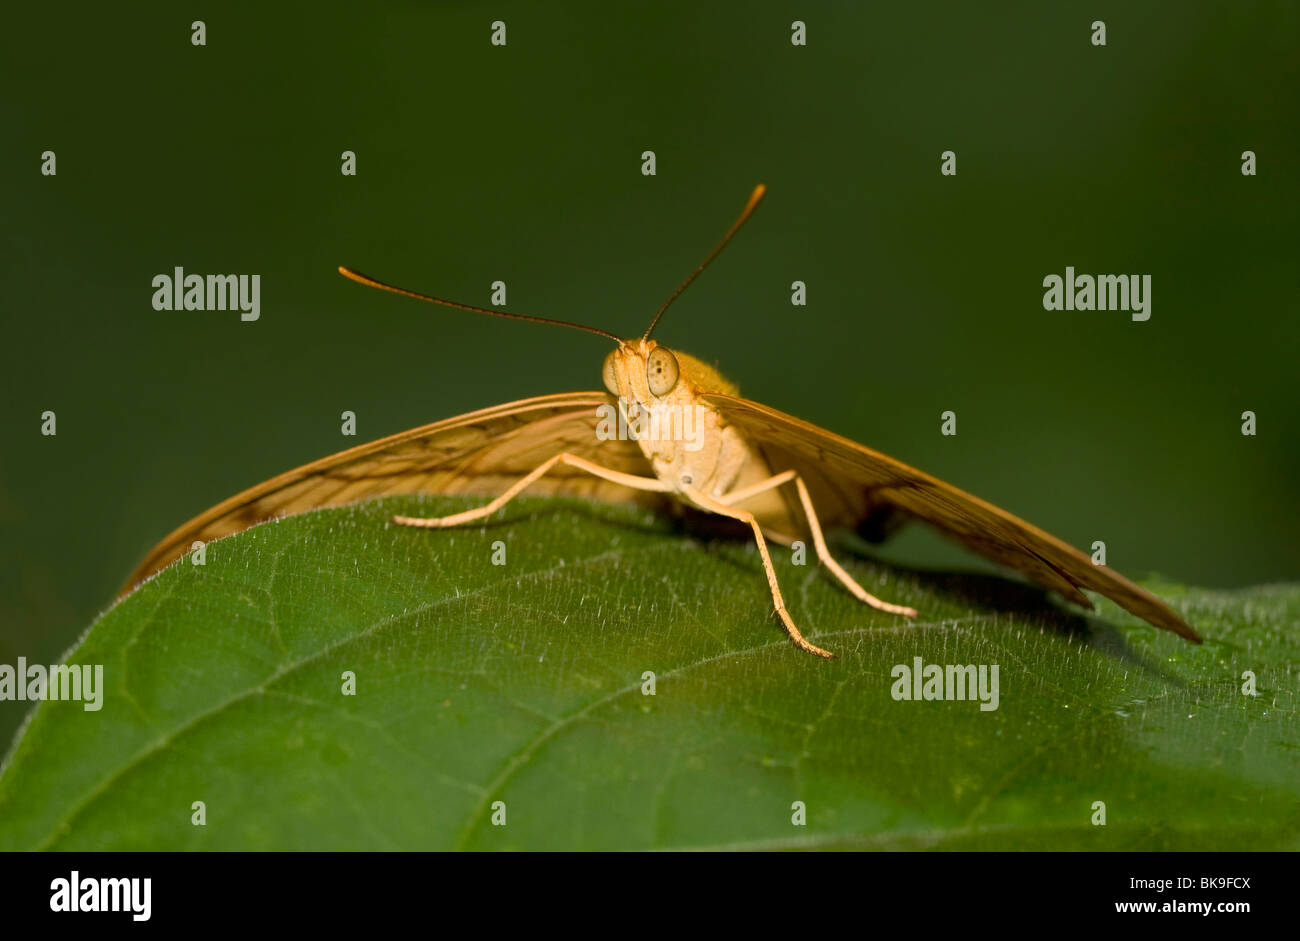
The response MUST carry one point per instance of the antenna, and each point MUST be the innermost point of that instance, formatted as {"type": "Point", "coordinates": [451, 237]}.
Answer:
{"type": "Point", "coordinates": [368, 281]}
{"type": "Point", "coordinates": [745, 213]}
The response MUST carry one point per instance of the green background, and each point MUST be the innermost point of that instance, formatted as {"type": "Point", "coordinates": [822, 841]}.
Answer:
{"type": "Point", "coordinates": [522, 163]}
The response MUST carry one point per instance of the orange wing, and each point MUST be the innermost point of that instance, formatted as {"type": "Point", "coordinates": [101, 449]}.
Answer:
{"type": "Point", "coordinates": [481, 453]}
{"type": "Point", "coordinates": [853, 482]}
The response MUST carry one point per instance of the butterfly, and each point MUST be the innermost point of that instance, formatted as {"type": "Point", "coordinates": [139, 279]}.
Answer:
{"type": "Point", "coordinates": [667, 427]}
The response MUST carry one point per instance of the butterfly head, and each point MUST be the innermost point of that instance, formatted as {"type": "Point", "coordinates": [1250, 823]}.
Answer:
{"type": "Point", "coordinates": [643, 372]}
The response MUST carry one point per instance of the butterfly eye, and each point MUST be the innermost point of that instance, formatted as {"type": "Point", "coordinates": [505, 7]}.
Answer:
{"type": "Point", "coordinates": [661, 371]}
{"type": "Point", "coordinates": [607, 373]}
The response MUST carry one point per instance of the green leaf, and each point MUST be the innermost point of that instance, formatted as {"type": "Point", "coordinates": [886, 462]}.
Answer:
{"type": "Point", "coordinates": [523, 683]}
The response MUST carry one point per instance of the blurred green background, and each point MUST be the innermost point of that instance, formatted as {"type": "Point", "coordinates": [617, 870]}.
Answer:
{"type": "Point", "coordinates": [523, 163]}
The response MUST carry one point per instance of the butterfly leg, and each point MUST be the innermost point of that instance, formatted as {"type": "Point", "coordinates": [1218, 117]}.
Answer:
{"type": "Point", "coordinates": [717, 506]}
{"type": "Point", "coordinates": [819, 542]}
{"type": "Point", "coordinates": [468, 516]}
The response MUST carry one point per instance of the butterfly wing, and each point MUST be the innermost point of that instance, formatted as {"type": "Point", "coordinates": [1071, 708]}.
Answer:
{"type": "Point", "coordinates": [482, 452]}
{"type": "Point", "coordinates": [853, 482]}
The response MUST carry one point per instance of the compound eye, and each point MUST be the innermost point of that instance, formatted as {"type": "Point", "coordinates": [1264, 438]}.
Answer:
{"type": "Point", "coordinates": [661, 371]}
{"type": "Point", "coordinates": [607, 373]}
